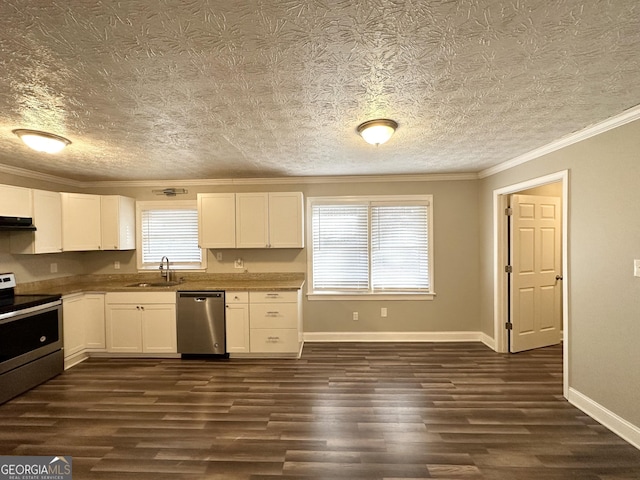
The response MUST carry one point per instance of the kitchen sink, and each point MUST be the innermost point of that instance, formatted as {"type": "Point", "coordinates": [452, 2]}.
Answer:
{"type": "Point", "coordinates": [153, 284]}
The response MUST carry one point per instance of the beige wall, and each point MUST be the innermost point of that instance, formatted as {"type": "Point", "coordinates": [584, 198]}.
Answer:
{"type": "Point", "coordinates": [455, 307]}
{"type": "Point", "coordinates": [604, 238]}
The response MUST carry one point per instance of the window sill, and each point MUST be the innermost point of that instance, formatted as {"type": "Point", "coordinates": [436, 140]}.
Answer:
{"type": "Point", "coordinates": [371, 296]}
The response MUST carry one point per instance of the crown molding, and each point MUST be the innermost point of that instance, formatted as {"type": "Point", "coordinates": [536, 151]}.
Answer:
{"type": "Point", "coordinates": [288, 180]}
{"type": "Point", "coordinates": [610, 123]}
{"type": "Point", "coordinates": [23, 172]}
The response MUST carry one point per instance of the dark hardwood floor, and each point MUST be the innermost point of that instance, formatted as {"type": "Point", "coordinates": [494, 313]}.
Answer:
{"type": "Point", "coordinates": [344, 411]}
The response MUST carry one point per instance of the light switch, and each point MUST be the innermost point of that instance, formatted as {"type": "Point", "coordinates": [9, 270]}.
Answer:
{"type": "Point", "coordinates": [636, 268]}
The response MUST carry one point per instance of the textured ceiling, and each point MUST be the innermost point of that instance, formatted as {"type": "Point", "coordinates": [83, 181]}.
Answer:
{"type": "Point", "coordinates": [187, 89]}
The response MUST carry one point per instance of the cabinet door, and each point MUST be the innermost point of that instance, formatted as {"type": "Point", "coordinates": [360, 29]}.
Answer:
{"type": "Point", "coordinates": [159, 328]}
{"type": "Point", "coordinates": [237, 327]}
{"type": "Point", "coordinates": [286, 227]}
{"type": "Point", "coordinates": [47, 217]}
{"type": "Point", "coordinates": [124, 328]}
{"type": "Point", "coordinates": [80, 222]}
{"type": "Point", "coordinates": [15, 201]}
{"type": "Point", "coordinates": [252, 220]}
{"type": "Point", "coordinates": [118, 222]}
{"type": "Point", "coordinates": [47, 214]}
{"type": "Point", "coordinates": [94, 321]}
{"type": "Point", "coordinates": [217, 220]}
{"type": "Point", "coordinates": [73, 332]}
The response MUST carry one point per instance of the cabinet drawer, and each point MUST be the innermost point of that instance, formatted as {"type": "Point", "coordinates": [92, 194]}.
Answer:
{"type": "Point", "coordinates": [267, 340]}
{"type": "Point", "coordinates": [273, 315]}
{"type": "Point", "coordinates": [287, 296]}
{"type": "Point", "coordinates": [140, 297]}
{"type": "Point", "coordinates": [231, 297]}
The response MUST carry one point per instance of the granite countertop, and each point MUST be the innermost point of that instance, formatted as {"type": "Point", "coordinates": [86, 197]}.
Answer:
{"type": "Point", "coordinates": [188, 281]}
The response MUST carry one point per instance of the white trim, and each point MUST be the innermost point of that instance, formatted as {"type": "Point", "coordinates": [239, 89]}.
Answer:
{"type": "Point", "coordinates": [423, 177]}
{"type": "Point", "coordinates": [488, 341]}
{"type": "Point", "coordinates": [22, 172]}
{"type": "Point", "coordinates": [499, 251]}
{"type": "Point", "coordinates": [610, 123]}
{"type": "Point", "coordinates": [371, 296]}
{"type": "Point", "coordinates": [426, 177]}
{"type": "Point", "coordinates": [618, 425]}
{"type": "Point", "coordinates": [392, 336]}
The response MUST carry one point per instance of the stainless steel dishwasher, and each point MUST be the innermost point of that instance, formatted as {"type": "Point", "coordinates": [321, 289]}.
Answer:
{"type": "Point", "coordinates": [201, 323]}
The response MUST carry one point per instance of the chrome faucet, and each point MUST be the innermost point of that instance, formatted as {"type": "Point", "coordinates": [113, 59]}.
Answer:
{"type": "Point", "coordinates": [166, 274]}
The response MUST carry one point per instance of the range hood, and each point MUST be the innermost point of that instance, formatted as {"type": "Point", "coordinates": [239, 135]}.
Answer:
{"type": "Point", "coordinates": [15, 224]}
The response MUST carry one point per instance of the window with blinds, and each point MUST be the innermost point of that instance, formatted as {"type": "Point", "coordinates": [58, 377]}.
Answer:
{"type": "Point", "coordinates": [370, 245]}
{"type": "Point", "coordinates": [170, 231]}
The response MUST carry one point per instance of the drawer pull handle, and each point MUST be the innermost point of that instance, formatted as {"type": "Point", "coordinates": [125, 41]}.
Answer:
{"type": "Point", "coordinates": [43, 339]}
{"type": "Point", "coordinates": [273, 295]}
{"type": "Point", "coordinates": [273, 314]}
{"type": "Point", "coordinates": [273, 339]}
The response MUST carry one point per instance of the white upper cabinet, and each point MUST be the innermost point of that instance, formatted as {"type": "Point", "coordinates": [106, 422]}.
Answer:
{"type": "Point", "coordinates": [118, 222]}
{"type": "Point", "coordinates": [47, 217]}
{"type": "Point", "coordinates": [95, 222]}
{"type": "Point", "coordinates": [81, 228]}
{"type": "Point", "coordinates": [250, 220]}
{"type": "Point", "coordinates": [15, 201]}
{"type": "Point", "coordinates": [269, 220]}
{"type": "Point", "coordinates": [217, 220]}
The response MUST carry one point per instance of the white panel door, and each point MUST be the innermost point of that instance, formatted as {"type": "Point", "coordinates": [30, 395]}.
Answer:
{"type": "Point", "coordinates": [536, 261]}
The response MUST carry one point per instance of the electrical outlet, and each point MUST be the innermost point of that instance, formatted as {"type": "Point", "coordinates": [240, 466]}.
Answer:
{"type": "Point", "coordinates": [636, 268]}
{"type": "Point", "coordinates": [355, 316]}
{"type": "Point", "coordinates": [219, 256]}
{"type": "Point", "coordinates": [53, 267]}
{"type": "Point", "coordinates": [383, 312]}
{"type": "Point", "coordinates": [116, 265]}
{"type": "Point", "coordinates": [239, 263]}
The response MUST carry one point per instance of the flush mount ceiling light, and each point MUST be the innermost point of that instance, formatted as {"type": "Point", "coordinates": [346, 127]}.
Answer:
{"type": "Point", "coordinates": [377, 131]}
{"type": "Point", "coordinates": [42, 141]}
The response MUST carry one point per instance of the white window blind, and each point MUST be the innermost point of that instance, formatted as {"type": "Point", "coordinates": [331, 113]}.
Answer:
{"type": "Point", "coordinates": [340, 247]}
{"type": "Point", "coordinates": [399, 247]}
{"type": "Point", "coordinates": [365, 245]}
{"type": "Point", "coordinates": [172, 233]}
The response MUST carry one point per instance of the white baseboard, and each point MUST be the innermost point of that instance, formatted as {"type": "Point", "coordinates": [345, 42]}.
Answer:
{"type": "Point", "coordinates": [615, 423]}
{"type": "Point", "coordinates": [488, 341]}
{"type": "Point", "coordinates": [392, 336]}
{"type": "Point", "coordinates": [75, 359]}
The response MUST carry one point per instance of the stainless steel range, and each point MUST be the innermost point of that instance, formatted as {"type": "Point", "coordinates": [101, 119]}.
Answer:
{"type": "Point", "coordinates": [30, 339]}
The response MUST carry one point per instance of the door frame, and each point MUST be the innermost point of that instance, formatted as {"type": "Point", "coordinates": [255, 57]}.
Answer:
{"type": "Point", "coordinates": [500, 245]}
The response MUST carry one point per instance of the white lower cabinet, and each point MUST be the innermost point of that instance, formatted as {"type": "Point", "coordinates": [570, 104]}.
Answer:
{"type": "Point", "coordinates": [264, 323]}
{"type": "Point", "coordinates": [275, 322]}
{"type": "Point", "coordinates": [83, 326]}
{"type": "Point", "coordinates": [237, 322]}
{"type": "Point", "coordinates": [141, 322]}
